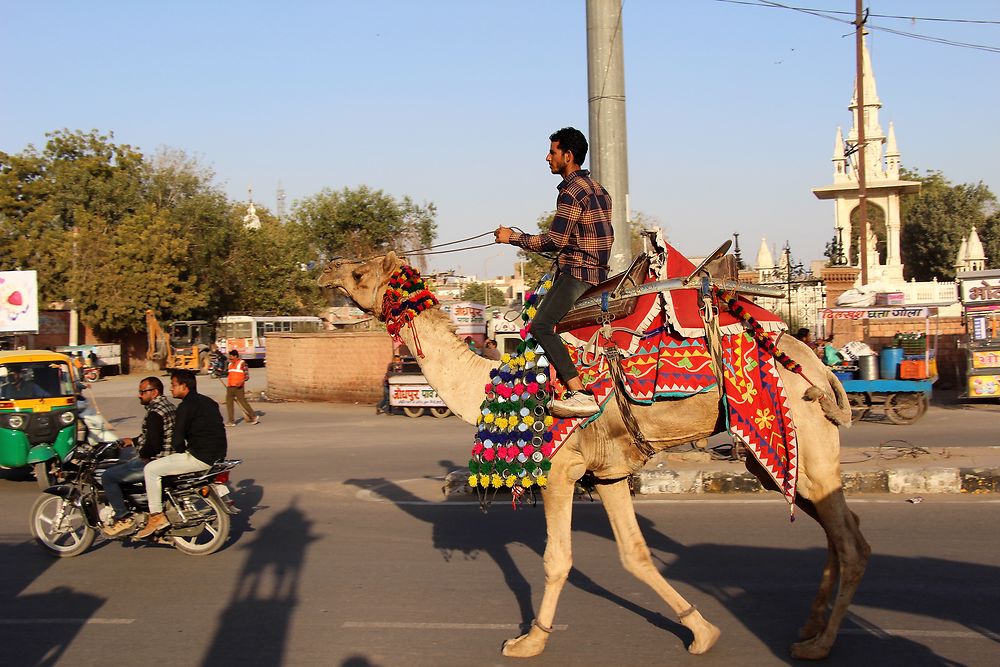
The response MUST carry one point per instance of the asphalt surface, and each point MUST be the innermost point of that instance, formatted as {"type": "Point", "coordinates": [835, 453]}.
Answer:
{"type": "Point", "coordinates": [346, 553]}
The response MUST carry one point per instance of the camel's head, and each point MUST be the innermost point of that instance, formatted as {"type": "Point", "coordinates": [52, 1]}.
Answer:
{"type": "Point", "coordinates": [363, 281]}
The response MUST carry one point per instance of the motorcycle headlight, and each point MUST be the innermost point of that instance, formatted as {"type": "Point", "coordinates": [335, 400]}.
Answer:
{"type": "Point", "coordinates": [67, 417]}
{"type": "Point", "coordinates": [16, 421]}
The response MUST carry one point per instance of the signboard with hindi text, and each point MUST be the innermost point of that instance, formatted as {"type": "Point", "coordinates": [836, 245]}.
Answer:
{"type": "Point", "coordinates": [882, 313]}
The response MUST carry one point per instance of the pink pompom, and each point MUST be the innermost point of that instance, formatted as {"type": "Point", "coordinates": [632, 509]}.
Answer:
{"type": "Point", "coordinates": [489, 455]}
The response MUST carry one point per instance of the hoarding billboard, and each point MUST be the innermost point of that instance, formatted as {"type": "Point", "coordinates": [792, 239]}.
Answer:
{"type": "Point", "coordinates": [18, 302]}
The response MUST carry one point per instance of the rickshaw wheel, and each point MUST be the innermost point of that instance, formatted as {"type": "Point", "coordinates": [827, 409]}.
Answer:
{"type": "Point", "coordinates": [441, 413]}
{"type": "Point", "coordinates": [45, 474]}
{"type": "Point", "coordinates": [413, 412]}
{"type": "Point", "coordinates": [905, 408]}
{"type": "Point", "coordinates": [861, 405]}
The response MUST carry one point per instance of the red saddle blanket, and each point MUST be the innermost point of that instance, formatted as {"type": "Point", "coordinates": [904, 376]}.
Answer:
{"type": "Point", "coordinates": [664, 356]}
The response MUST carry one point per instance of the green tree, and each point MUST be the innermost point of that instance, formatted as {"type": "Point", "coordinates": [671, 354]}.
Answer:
{"type": "Point", "coordinates": [936, 221]}
{"type": "Point", "coordinates": [363, 222]}
{"type": "Point", "coordinates": [266, 268]}
{"type": "Point", "coordinates": [477, 292]}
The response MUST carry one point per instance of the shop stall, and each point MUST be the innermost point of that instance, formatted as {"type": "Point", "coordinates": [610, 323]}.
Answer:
{"type": "Point", "coordinates": [979, 292]}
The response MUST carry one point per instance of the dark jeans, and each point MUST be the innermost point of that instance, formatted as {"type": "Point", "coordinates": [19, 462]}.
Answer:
{"type": "Point", "coordinates": [384, 404]}
{"type": "Point", "coordinates": [555, 304]}
{"type": "Point", "coordinates": [127, 472]}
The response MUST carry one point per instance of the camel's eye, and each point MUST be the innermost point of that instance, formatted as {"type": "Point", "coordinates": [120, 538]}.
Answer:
{"type": "Point", "coordinates": [357, 274]}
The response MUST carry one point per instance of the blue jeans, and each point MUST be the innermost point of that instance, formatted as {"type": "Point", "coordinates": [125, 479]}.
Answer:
{"type": "Point", "coordinates": [127, 472]}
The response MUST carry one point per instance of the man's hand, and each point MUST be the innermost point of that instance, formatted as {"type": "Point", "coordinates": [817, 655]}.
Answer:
{"type": "Point", "coordinates": [128, 442]}
{"type": "Point", "coordinates": [502, 234]}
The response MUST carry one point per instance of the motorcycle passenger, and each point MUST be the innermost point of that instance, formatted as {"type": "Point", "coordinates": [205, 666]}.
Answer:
{"type": "Point", "coordinates": [199, 440]}
{"type": "Point", "coordinates": [153, 442]}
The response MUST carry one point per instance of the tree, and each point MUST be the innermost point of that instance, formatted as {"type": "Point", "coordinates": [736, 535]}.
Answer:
{"type": "Point", "coordinates": [364, 222]}
{"type": "Point", "coordinates": [477, 292]}
{"type": "Point", "coordinates": [936, 221]}
{"type": "Point", "coordinates": [266, 269]}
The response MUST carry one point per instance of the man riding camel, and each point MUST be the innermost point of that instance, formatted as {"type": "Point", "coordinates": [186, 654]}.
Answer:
{"type": "Point", "coordinates": [582, 234]}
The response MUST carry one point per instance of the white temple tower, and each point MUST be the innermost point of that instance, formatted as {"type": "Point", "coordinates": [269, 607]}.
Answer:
{"type": "Point", "coordinates": [882, 183]}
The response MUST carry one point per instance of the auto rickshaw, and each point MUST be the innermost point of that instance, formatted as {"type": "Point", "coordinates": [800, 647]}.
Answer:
{"type": "Point", "coordinates": [38, 411]}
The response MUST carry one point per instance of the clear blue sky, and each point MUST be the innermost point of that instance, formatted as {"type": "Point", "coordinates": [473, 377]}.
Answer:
{"type": "Point", "coordinates": [731, 109]}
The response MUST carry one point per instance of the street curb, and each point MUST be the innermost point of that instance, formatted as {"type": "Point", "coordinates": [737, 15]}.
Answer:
{"type": "Point", "coordinates": [902, 480]}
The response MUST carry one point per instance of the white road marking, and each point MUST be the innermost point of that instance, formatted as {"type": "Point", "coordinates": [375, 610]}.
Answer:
{"type": "Point", "coordinates": [66, 621]}
{"type": "Point", "coordinates": [893, 632]}
{"type": "Point", "coordinates": [386, 625]}
{"type": "Point", "coordinates": [917, 634]}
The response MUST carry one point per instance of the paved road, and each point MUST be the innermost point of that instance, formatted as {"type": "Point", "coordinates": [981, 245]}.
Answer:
{"type": "Point", "coordinates": [346, 555]}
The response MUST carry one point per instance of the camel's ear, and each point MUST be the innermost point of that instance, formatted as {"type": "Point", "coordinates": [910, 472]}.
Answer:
{"type": "Point", "coordinates": [390, 262]}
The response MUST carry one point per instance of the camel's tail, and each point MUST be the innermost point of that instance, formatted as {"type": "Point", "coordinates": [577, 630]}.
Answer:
{"type": "Point", "coordinates": [837, 408]}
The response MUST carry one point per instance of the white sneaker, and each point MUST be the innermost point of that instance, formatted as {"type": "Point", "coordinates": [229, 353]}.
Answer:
{"type": "Point", "coordinates": [575, 404]}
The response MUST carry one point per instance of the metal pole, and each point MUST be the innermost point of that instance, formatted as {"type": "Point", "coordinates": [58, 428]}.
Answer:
{"type": "Point", "coordinates": [862, 193]}
{"type": "Point", "coordinates": [606, 100]}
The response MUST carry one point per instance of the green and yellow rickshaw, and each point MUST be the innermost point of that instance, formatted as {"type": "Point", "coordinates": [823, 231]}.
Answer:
{"type": "Point", "coordinates": [38, 411]}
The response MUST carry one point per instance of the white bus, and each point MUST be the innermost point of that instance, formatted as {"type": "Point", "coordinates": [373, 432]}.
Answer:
{"type": "Point", "coordinates": [248, 334]}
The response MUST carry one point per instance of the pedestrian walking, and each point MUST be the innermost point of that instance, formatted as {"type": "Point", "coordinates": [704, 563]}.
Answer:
{"type": "Point", "coordinates": [237, 376]}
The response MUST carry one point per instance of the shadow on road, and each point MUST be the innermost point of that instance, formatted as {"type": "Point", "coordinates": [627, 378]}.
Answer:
{"type": "Point", "coordinates": [738, 577]}
{"type": "Point", "coordinates": [253, 629]}
{"type": "Point", "coordinates": [37, 628]}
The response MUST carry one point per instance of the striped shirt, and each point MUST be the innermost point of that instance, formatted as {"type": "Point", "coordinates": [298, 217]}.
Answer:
{"type": "Point", "coordinates": [581, 230]}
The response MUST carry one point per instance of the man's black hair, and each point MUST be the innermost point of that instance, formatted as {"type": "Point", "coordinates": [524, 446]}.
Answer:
{"type": "Point", "coordinates": [154, 383]}
{"type": "Point", "coordinates": [571, 139]}
{"type": "Point", "coordinates": [234, 353]}
{"type": "Point", "coordinates": [185, 378]}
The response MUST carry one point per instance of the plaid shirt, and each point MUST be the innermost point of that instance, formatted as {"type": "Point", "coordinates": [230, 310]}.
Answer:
{"type": "Point", "coordinates": [581, 230]}
{"type": "Point", "coordinates": [166, 410]}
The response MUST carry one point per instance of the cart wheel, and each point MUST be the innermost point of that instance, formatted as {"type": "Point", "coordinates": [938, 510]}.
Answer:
{"type": "Point", "coordinates": [905, 408]}
{"type": "Point", "coordinates": [861, 405]}
{"type": "Point", "coordinates": [413, 412]}
{"type": "Point", "coordinates": [441, 413]}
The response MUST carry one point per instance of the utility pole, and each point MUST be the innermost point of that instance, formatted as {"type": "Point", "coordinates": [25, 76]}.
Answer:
{"type": "Point", "coordinates": [606, 100]}
{"type": "Point", "coordinates": [862, 193]}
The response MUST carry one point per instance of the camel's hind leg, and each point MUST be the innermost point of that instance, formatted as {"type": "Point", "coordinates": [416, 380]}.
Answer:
{"type": "Point", "coordinates": [635, 557]}
{"type": "Point", "coordinates": [558, 559]}
{"type": "Point", "coordinates": [846, 563]}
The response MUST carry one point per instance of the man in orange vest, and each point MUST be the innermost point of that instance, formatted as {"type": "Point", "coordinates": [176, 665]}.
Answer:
{"type": "Point", "coordinates": [237, 375]}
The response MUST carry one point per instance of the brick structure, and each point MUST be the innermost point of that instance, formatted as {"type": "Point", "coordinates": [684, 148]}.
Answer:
{"type": "Point", "coordinates": [838, 279]}
{"type": "Point", "coordinates": [341, 367]}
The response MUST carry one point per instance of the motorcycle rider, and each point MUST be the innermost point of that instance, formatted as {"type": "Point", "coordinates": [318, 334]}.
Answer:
{"type": "Point", "coordinates": [199, 440]}
{"type": "Point", "coordinates": [153, 442]}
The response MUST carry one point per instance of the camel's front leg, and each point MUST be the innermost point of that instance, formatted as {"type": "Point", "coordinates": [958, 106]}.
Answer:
{"type": "Point", "coordinates": [635, 557]}
{"type": "Point", "coordinates": [558, 503]}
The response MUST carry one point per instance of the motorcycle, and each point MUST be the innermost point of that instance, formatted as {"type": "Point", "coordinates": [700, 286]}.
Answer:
{"type": "Point", "coordinates": [217, 365]}
{"type": "Point", "coordinates": [65, 520]}
{"type": "Point", "coordinates": [91, 373]}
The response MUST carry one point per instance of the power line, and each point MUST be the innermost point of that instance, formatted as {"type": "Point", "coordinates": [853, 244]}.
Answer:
{"type": "Point", "coordinates": [881, 16]}
{"type": "Point", "coordinates": [826, 14]}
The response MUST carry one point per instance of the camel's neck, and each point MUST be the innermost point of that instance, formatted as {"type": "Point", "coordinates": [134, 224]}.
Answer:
{"type": "Point", "coordinates": [458, 374]}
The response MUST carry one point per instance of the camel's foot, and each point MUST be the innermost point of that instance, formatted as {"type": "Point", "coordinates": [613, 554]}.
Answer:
{"type": "Point", "coordinates": [527, 645]}
{"type": "Point", "coordinates": [814, 625]}
{"type": "Point", "coordinates": [811, 649]}
{"type": "Point", "coordinates": [705, 634]}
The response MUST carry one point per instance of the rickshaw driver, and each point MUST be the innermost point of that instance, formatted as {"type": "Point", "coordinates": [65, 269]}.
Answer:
{"type": "Point", "coordinates": [21, 384]}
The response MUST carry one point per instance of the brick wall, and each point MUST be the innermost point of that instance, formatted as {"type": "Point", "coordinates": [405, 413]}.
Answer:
{"type": "Point", "coordinates": [950, 359]}
{"type": "Point", "coordinates": [341, 367]}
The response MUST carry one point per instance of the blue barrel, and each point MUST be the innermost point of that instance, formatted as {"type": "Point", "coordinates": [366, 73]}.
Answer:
{"type": "Point", "coordinates": [888, 362]}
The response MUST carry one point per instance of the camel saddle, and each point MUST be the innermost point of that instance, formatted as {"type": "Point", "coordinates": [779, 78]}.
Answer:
{"type": "Point", "coordinates": [617, 308]}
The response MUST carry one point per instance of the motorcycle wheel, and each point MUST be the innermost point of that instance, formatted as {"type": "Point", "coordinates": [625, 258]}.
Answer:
{"type": "Point", "coordinates": [72, 538]}
{"type": "Point", "coordinates": [214, 531]}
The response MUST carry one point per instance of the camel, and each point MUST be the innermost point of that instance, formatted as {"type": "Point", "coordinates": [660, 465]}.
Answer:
{"type": "Point", "coordinates": [605, 450]}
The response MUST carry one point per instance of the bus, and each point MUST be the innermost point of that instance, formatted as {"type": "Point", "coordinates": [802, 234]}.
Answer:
{"type": "Point", "coordinates": [247, 334]}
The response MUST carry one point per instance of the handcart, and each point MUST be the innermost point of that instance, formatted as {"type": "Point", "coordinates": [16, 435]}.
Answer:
{"type": "Point", "coordinates": [904, 394]}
